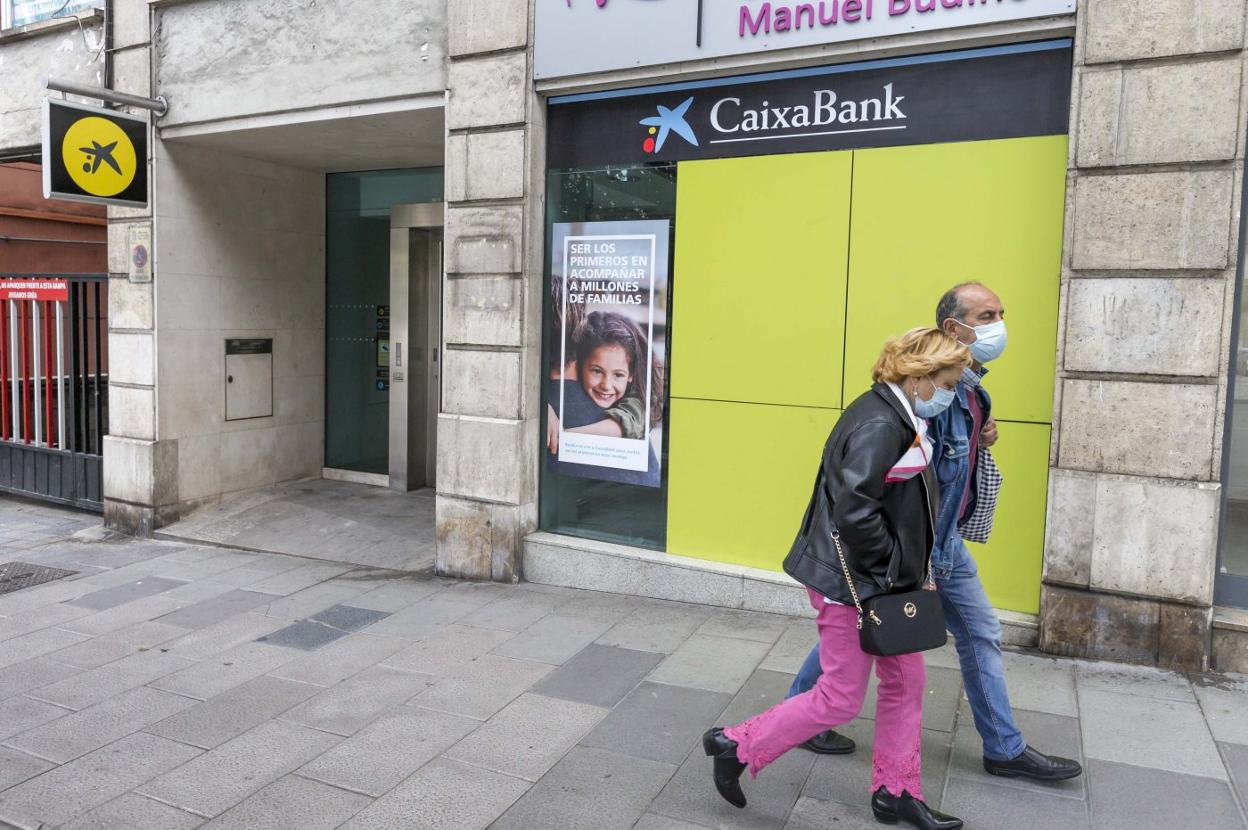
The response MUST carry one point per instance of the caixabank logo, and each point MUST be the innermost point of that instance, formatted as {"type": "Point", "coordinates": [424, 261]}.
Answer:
{"type": "Point", "coordinates": [668, 121]}
{"type": "Point", "coordinates": [94, 155]}
{"type": "Point", "coordinates": [970, 97]}
{"type": "Point", "coordinates": [740, 118]}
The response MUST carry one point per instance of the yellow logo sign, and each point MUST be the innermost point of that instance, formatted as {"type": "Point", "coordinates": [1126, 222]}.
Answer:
{"type": "Point", "coordinates": [99, 156]}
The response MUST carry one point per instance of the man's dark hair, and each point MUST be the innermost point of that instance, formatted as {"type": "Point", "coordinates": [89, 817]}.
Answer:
{"type": "Point", "coordinates": [950, 304]}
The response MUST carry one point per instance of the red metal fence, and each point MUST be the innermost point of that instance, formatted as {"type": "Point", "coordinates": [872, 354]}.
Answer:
{"type": "Point", "coordinates": [53, 385]}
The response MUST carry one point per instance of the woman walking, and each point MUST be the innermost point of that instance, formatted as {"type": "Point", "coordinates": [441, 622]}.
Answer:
{"type": "Point", "coordinates": [872, 514]}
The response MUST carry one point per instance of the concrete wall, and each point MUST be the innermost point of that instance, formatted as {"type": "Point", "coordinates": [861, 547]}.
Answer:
{"type": "Point", "coordinates": [240, 247]}
{"type": "Point", "coordinates": [1148, 286]}
{"type": "Point", "coordinates": [28, 55]}
{"type": "Point", "coordinates": [220, 59]}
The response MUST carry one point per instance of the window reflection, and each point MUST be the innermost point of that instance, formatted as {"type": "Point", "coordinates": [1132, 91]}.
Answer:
{"type": "Point", "coordinates": [1232, 584]}
{"type": "Point", "coordinates": [32, 11]}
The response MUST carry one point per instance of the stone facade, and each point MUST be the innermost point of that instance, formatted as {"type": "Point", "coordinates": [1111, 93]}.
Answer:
{"type": "Point", "coordinates": [238, 58]}
{"type": "Point", "coordinates": [487, 477]}
{"type": "Point", "coordinates": [1148, 284]}
{"type": "Point", "coordinates": [141, 474]}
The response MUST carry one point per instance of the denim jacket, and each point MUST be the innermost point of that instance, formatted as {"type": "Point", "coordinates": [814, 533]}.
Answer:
{"type": "Point", "coordinates": [951, 444]}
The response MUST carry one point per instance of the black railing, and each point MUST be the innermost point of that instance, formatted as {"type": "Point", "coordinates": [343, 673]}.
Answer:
{"type": "Point", "coordinates": [88, 364]}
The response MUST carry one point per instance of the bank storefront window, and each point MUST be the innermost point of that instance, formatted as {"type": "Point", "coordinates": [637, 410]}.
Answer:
{"type": "Point", "coordinates": [810, 214]}
{"type": "Point", "coordinates": [608, 254]}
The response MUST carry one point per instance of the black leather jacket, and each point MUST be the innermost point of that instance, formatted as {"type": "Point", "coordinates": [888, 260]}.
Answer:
{"type": "Point", "coordinates": [887, 529]}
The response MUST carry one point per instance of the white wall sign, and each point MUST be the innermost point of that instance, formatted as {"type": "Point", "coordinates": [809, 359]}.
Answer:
{"type": "Point", "coordinates": [574, 37]}
{"type": "Point", "coordinates": [140, 247]}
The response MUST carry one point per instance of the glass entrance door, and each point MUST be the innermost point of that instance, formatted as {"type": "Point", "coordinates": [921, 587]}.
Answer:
{"type": "Point", "coordinates": [358, 319]}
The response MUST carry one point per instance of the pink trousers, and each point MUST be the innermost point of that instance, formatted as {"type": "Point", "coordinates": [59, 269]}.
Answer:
{"type": "Point", "coordinates": [837, 698]}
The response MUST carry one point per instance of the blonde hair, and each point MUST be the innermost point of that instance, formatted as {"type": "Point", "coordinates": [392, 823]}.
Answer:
{"type": "Point", "coordinates": [919, 353]}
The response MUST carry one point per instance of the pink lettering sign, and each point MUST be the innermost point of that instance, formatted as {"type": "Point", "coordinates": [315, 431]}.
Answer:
{"type": "Point", "coordinates": [781, 18]}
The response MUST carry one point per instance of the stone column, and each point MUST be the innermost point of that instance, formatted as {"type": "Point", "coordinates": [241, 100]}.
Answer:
{"type": "Point", "coordinates": [487, 430]}
{"type": "Point", "coordinates": [1147, 302]}
{"type": "Point", "coordinates": [140, 472]}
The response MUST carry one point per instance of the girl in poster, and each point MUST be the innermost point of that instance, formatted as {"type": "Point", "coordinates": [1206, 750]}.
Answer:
{"type": "Point", "coordinates": [611, 360]}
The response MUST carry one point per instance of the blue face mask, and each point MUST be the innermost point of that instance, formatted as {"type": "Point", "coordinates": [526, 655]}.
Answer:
{"type": "Point", "coordinates": [940, 401]}
{"type": "Point", "coordinates": [989, 342]}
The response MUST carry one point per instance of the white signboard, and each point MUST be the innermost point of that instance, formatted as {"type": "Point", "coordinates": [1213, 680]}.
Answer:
{"type": "Point", "coordinates": [574, 37]}
{"type": "Point", "coordinates": [140, 239]}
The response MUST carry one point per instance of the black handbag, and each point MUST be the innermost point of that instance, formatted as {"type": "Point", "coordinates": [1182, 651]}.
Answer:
{"type": "Point", "coordinates": [892, 624]}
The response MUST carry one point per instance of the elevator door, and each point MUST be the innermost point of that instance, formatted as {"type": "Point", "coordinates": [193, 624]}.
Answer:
{"type": "Point", "coordinates": [415, 343]}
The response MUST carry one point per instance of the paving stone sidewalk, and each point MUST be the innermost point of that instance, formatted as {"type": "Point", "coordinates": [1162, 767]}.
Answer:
{"type": "Point", "coordinates": [175, 686]}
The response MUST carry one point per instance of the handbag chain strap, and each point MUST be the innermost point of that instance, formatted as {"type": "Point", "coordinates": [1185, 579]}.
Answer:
{"type": "Point", "coordinates": [853, 592]}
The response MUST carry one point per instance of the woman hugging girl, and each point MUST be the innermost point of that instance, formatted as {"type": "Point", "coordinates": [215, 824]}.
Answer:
{"type": "Point", "coordinates": [611, 356]}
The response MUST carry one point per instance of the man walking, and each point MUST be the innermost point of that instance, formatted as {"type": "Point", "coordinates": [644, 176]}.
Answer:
{"type": "Point", "coordinates": [974, 315]}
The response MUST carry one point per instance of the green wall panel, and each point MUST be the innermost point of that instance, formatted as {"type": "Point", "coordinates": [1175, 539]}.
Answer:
{"type": "Point", "coordinates": [930, 216]}
{"type": "Point", "coordinates": [740, 477]}
{"type": "Point", "coordinates": [1011, 563]}
{"type": "Point", "coordinates": [759, 289]}
{"type": "Point", "coordinates": [760, 321]}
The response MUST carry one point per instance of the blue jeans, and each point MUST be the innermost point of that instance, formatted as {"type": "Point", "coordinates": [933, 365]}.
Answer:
{"type": "Point", "coordinates": [977, 635]}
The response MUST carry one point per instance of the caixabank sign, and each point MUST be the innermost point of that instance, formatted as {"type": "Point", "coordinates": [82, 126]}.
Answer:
{"type": "Point", "coordinates": [575, 37]}
{"type": "Point", "coordinates": [94, 155]}
{"type": "Point", "coordinates": [1000, 92]}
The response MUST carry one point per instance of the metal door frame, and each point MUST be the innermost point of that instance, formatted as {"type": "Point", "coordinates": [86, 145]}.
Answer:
{"type": "Point", "coordinates": [413, 458]}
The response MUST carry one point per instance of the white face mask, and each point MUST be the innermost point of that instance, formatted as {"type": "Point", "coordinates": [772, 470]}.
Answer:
{"type": "Point", "coordinates": [939, 401]}
{"type": "Point", "coordinates": [990, 340]}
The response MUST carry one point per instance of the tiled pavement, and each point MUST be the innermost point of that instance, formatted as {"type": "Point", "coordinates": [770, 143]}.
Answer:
{"type": "Point", "coordinates": [321, 519]}
{"type": "Point", "coordinates": [174, 686]}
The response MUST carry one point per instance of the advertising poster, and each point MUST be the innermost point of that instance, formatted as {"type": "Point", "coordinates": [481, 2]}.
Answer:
{"type": "Point", "coordinates": [608, 379]}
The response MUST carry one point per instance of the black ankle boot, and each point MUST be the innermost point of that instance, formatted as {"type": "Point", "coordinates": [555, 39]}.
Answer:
{"type": "Point", "coordinates": [728, 769]}
{"type": "Point", "coordinates": [830, 743]}
{"type": "Point", "coordinates": [890, 809]}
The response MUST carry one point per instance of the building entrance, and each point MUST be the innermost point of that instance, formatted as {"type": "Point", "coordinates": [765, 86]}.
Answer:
{"type": "Point", "coordinates": [383, 316]}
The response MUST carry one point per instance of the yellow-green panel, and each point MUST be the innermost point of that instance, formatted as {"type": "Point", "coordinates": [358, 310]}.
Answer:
{"type": "Point", "coordinates": [930, 216]}
{"type": "Point", "coordinates": [1010, 564]}
{"type": "Point", "coordinates": [739, 478]}
{"type": "Point", "coordinates": [759, 290]}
